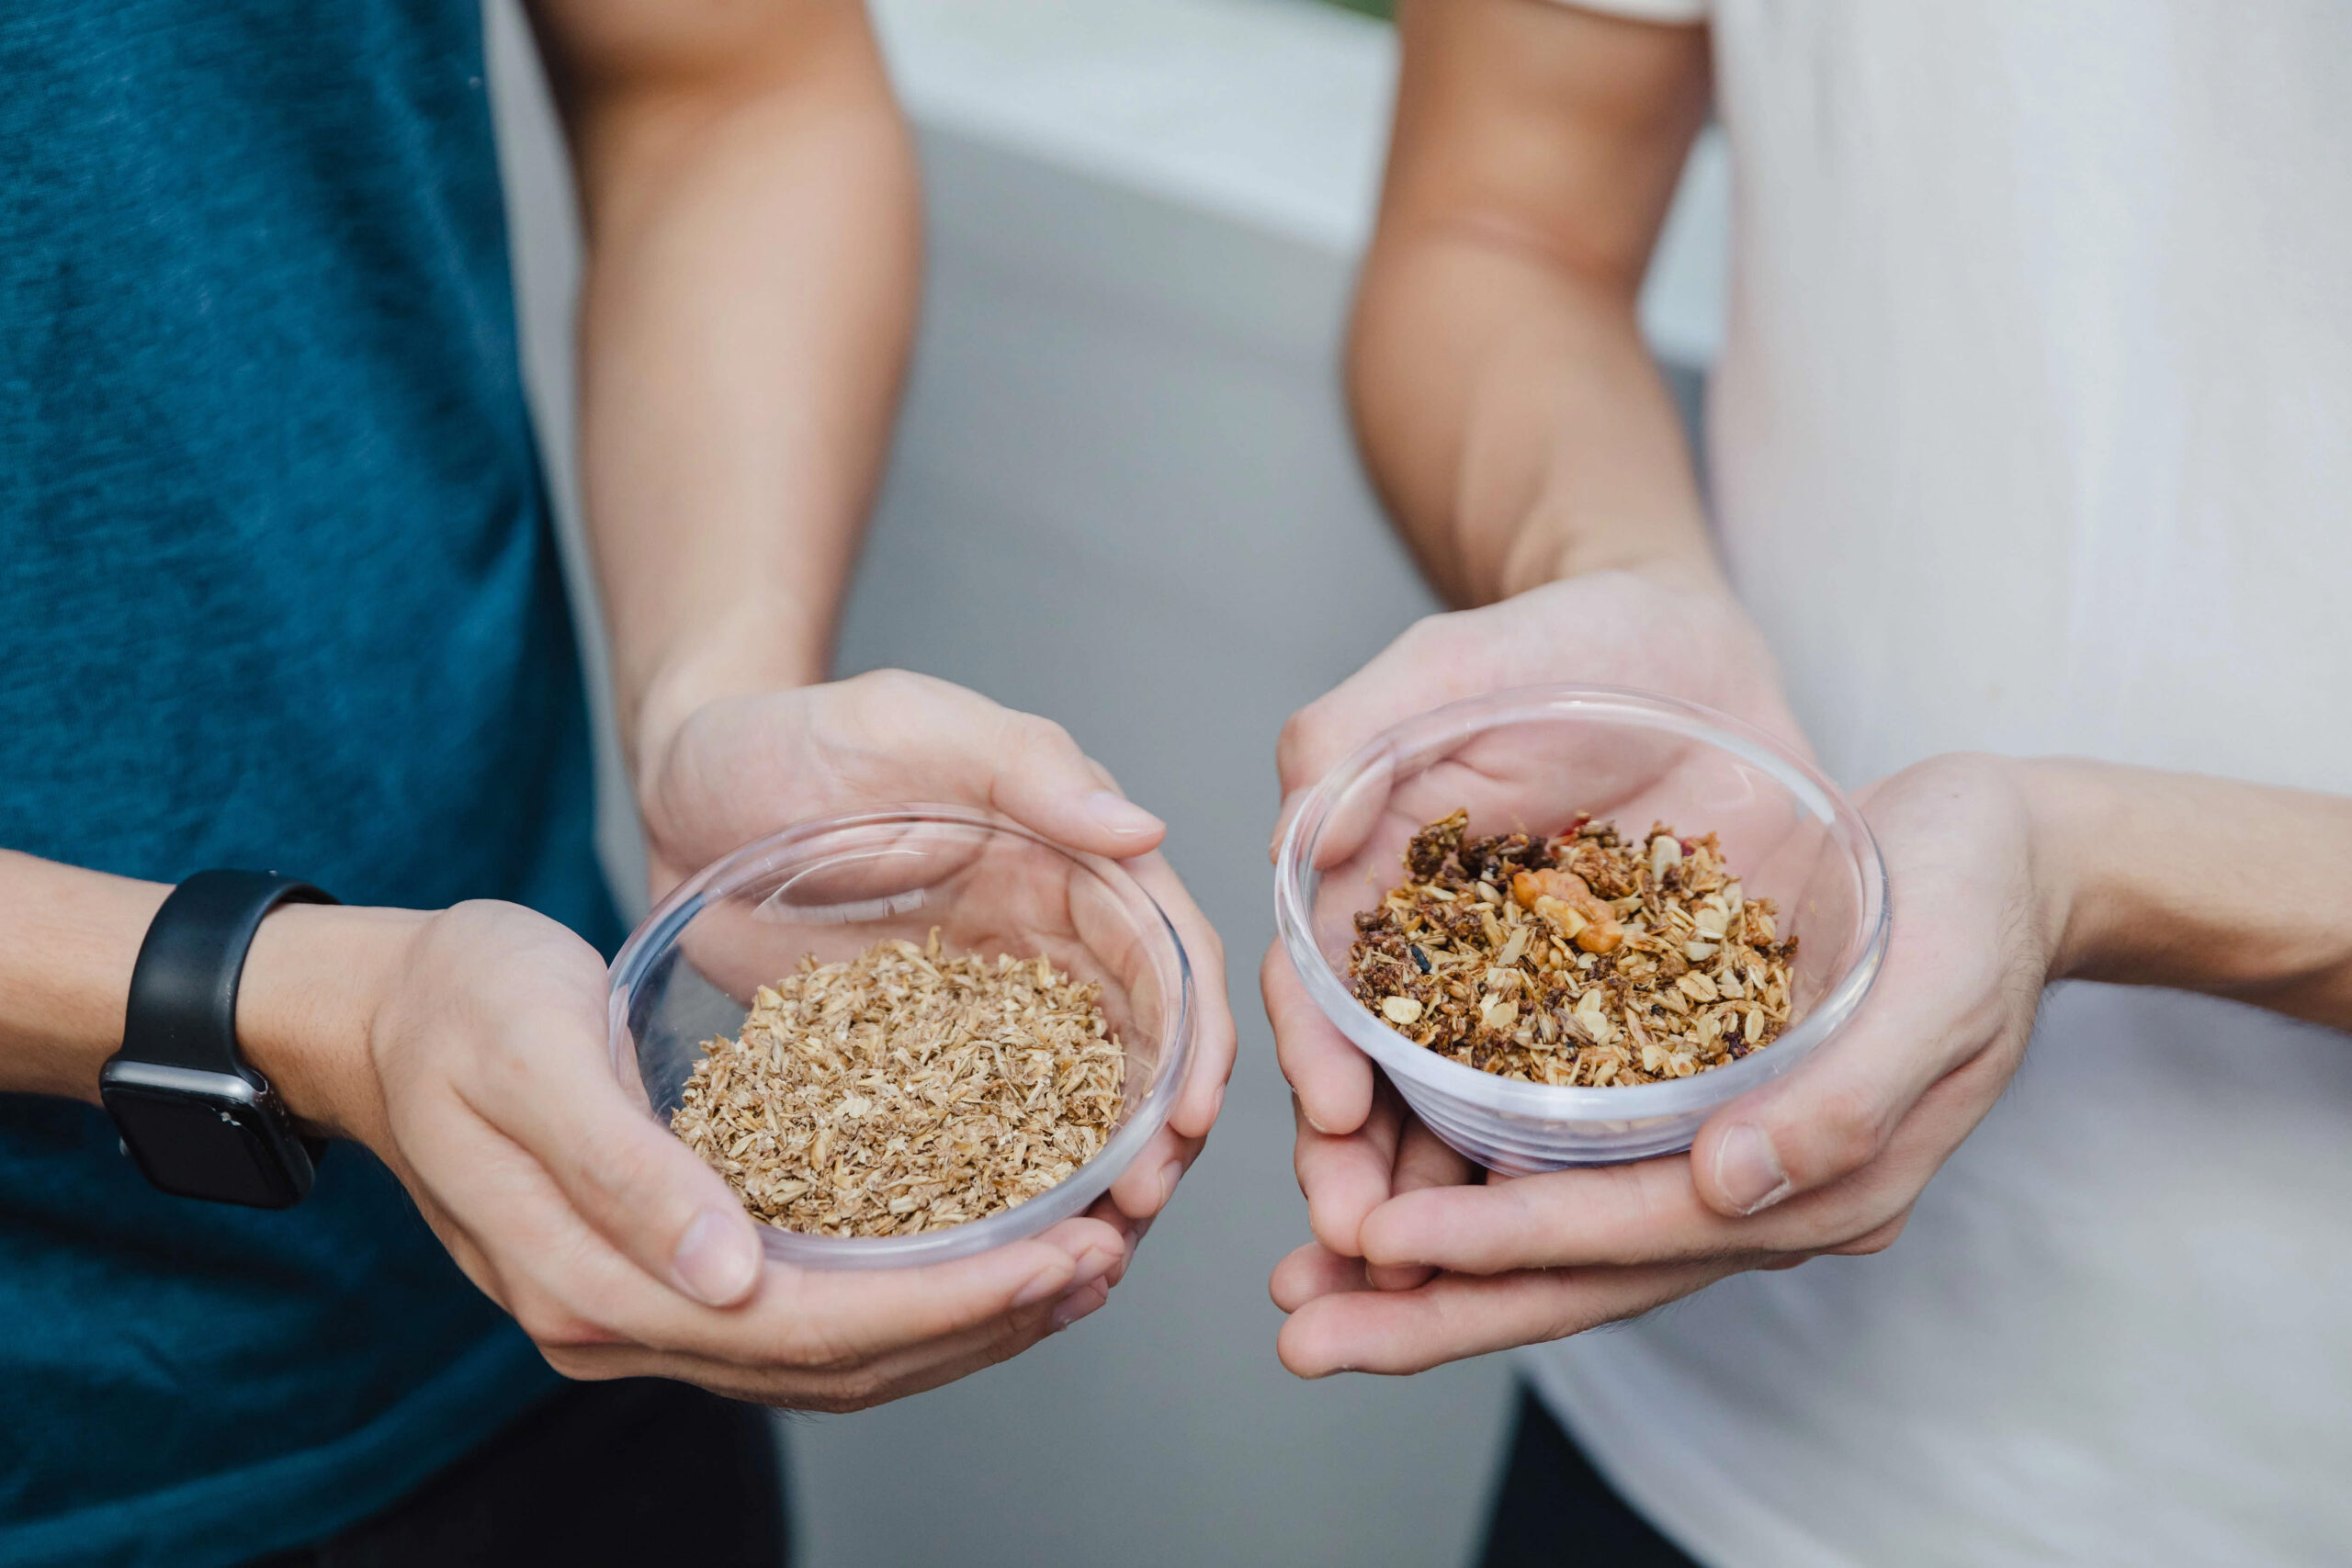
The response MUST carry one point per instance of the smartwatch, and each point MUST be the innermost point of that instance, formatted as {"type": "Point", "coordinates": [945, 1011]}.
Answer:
{"type": "Point", "coordinates": [195, 1119]}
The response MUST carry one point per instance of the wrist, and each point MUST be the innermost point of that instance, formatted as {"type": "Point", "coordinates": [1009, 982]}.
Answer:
{"type": "Point", "coordinates": [1674, 557]}
{"type": "Point", "coordinates": [754, 646]}
{"type": "Point", "coordinates": [314, 981]}
{"type": "Point", "coordinates": [2065, 804]}
{"type": "Point", "coordinates": [2198, 884]}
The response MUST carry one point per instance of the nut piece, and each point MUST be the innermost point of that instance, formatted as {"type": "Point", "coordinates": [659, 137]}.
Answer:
{"type": "Point", "coordinates": [1401, 1010]}
{"type": "Point", "coordinates": [1579, 915]}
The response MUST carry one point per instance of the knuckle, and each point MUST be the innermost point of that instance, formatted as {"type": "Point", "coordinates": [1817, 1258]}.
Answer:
{"type": "Point", "coordinates": [1876, 1240]}
{"type": "Point", "coordinates": [810, 1350]}
{"type": "Point", "coordinates": [575, 1364]}
{"type": "Point", "coordinates": [860, 1387]}
{"type": "Point", "coordinates": [887, 685]}
{"type": "Point", "coordinates": [1846, 1131]}
{"type": "Point", "coordinates": [837, 1396]}
{"type": "Point", "coordinates": [1035, 736]}
{"type": "Point", "coordinates": [1299, 734]}
{"type": "Point", "coordinates": [556, 1328]}
{"type": "Point", "coordinates": [627, 1173]}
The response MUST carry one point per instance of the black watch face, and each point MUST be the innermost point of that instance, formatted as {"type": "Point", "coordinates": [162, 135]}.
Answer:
{"type": "Point", "coordinates": [224, 1148]}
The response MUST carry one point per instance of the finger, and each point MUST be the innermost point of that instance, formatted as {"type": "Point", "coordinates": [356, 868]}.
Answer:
{"type": "Point", "coordinates": [1397, 682]}
{"type": "Point", "coordinates": [1331, 1078]}
{"type": "Point", "coordinates": [895, 1375]}
{"type": "Point", "coordinates": [1931, 1013]}
{"type": "Point", "coordinates": [1143, 1188]}
{"type": "Point", "coordinates": [1083, 1301]}
{"type": "Point", "coordinates": [1311, 1272]}
{"type": "Point", "coordinates": [1650, 1211]}
{"type": "Point", "coordinates": [1131, 1233]}
{"type": "Point", "coordinates": [844, 1317]}
{"type": "Point", "coordinates": [1216, 1040]}
{"type": "Point", "coordinates": [1346, 1178]}
{"type": "Point", "coordinates": [1457, 1315]}
{"type": "Point", "coordinates": [1423, 1160]}
{"type": "Point", "coordinates": [1041, 779]}
{"type": "Point", "coordinates": [553, 1094]}
{"type": "Point", "coordinates": [567, 1284]}
{"type": "Point", "coordinates": [870, 1313]}
{"type": "Point", "coordinates": [914, 728]}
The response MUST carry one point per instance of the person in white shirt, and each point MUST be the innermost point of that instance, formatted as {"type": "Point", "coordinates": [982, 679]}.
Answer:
{"type": "Point", "coordinates": [2032, 434]}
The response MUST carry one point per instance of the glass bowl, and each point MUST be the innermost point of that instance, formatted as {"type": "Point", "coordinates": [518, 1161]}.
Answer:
{"type": "Point", "coordinates": [1528, 760]}
{"type": "Point", "coordinates": [836, 885]}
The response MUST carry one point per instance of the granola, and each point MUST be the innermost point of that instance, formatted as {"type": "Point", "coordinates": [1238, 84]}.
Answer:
{"type": "Point", "coordinates": [905, 1090]}
{"type": "Point", "coordinates": [1586, 959]}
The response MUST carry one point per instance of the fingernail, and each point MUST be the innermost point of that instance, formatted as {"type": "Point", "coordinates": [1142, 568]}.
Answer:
{"type": "Point", "coordinates": [717, 1259]}
{"type": "Point", "coordinates": [1092, 1265]}
{"type": "Point", "coordinates": [1047, 1284]}
{"type": "Point", "coordinates": [1281, 827]}
{"type": "Point", "coordinates": [1747, 1169]}
{"type": "Point", "coordinates": [1078, 1303]}
{"type": "Point", "coordinates": [1170, 1175]}
{"type": "Point", "coordinates": [1116, 813]}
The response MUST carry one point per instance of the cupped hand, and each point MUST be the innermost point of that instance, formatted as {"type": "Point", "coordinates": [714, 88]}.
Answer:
{"type": "Point", "coordinates": [739, 767]}
{"type": "Point", "coordinates": [1412, 1266]}
{"type": "Point", "coordinates": [485, 1086]}
{"type": "Point", "coordinates": [1681, 635]}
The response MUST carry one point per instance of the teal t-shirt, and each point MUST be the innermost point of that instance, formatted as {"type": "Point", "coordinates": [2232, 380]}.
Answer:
{"type": "Point", "coordinates": [276, 590]}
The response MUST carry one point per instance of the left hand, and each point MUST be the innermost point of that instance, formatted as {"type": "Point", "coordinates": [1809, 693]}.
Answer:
{"type": "Point", "coordinates": [1828, 1159]}
{"type": "Point", "coordinates": [737, 767]}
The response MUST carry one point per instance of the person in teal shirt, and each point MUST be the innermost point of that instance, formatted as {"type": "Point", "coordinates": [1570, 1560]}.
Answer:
{"type": "Point", "coordinates": [278, 588]}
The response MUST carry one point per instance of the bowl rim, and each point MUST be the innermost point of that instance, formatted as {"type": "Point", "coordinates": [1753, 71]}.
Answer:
{"type": "Point", "coordinates": [658, 933]}
{"type": "Point", "coordinates": [1457, 1082]}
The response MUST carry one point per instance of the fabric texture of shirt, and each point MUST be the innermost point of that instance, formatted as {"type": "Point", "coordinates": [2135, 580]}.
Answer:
{"type": "Point", "coordinates": [2033, 433]}
{"type": "Point", "coordinates": [278, 589]}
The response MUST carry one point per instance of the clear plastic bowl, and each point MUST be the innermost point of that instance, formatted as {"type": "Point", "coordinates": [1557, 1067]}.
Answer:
{"type": "Point", "coordinates": [836, 887]}
{"type": "Point", "coordinates": [1528, 760]}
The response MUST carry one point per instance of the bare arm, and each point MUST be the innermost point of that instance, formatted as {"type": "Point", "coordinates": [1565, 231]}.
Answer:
{"type": "Point", "coordinates": [1505, 402]}
{"type": "Point", "coordinates": [2200, 884]}
{"type": "Point", "coordinates": [752, 232]}
{"type": "Point", "coordinates": [1512, 420]}
{"type": "Point", "coordinates": [751, 203]}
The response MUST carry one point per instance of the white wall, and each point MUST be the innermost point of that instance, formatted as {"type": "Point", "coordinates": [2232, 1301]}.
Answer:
{"type": "Point", "coordinates": [1122, 496]}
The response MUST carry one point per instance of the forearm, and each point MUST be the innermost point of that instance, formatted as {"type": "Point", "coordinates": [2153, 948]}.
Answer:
{"type": "Point", "coordinates": [69, 940]}
{"type": "Point", "coordinates": [752, 226]}
{"type": "Point", "coordinates": [1506, 404]}
{"type": "Point", "coordinates": [2203, 884]}
{"type": "Point", "coordinates": [1514, 422]}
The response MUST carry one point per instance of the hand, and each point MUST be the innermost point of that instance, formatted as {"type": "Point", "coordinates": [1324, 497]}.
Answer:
{"type": "Point", "coordinates": [479, 1074]}
{"type": "Point", "coordinates": [1678, 631]}
{"type": "Point", "coordinates": [1828, 1159]}
{"type": "Point", "coordinates": [741, 766]}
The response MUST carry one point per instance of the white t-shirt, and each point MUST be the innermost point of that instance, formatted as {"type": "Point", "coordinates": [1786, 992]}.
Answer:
{"type": "Point", "coordinates": [2033, 433]}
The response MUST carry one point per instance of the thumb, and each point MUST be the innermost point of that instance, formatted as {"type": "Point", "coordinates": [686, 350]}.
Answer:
{"type": "Point", "coordinates": [1043, 782]}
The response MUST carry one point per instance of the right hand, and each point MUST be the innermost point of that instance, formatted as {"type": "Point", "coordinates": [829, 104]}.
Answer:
{"type": "Point", "coordinates": [480, 1077]}
{"type": "Point", "coordinates": [1679, 632]}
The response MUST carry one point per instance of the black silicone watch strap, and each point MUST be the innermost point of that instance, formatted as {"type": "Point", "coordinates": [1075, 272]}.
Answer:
{"type": "Point", "coordinates": [182, 1010]}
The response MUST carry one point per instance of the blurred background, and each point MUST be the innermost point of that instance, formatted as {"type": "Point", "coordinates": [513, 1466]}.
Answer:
{"type": "Point", "coordinates": [1122, 496]}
